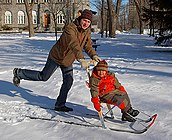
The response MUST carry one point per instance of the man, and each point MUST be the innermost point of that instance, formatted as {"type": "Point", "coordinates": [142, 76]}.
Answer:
{"type": "Point", "coordinates": [75, 37]}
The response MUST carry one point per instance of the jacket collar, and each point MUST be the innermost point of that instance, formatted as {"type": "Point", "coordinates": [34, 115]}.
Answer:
{"type": "Point", "coordinates": [94, 74]}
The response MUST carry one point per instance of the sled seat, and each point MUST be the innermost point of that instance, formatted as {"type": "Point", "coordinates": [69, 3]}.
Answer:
{"type": "Point", "coordinates": [107, 105]}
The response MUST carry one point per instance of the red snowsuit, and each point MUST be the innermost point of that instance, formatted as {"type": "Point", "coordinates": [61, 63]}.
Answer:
{"type": "Point", "coordinates": [108, 90]}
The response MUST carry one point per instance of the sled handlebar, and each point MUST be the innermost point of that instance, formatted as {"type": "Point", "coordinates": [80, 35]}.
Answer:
{"type": "Point", "coordinates": [89, 63]}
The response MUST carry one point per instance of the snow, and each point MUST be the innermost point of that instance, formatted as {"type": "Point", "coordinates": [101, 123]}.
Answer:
{"type": "Point", "coordinates": [143, 69]}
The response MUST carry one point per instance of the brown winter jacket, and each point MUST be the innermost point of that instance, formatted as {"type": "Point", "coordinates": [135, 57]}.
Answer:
{"type": "Point", "coordinates": [100, 86]}
{"type": "Point", "coordinates": [70, 44]}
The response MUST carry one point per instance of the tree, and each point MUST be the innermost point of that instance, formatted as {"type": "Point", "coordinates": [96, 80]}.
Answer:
{"type": "Point", "coordinates": [29, 7]}
{"type": "Point", "coordinates": [139, 5]}
{"type": "Point", "coordinates": [102, 19]}
{"type": "Point", "coordinates": [111, 19]}
{"type": "Point", "coordinates": [55, 8]}
{"type": "Point", "coordinates": [117, 9]}
{"type": "Point", "coordinates": [123, 16]}
{"type": "Point", "coordinates": [0, 14]}
{"type": "Point", "coordinates": [68, 12]}
{"type": "Point", "coordinates": [113, 16]}
{"type": "Point", "coordinates": [161, 13]}
{"type": "Point", "coordinates": [148, 17]}
{"type": "Point", "coordinates": [109, 15]}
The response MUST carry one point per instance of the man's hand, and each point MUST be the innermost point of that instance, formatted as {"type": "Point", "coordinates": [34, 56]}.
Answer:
{"type": "Point", "coordinates": [96, 58]}
{"type": "Point", "coordinates": [83, 62]}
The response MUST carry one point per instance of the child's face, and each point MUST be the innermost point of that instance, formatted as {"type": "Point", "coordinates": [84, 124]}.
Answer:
{"type": "Point", "coordinates": [101, 73]}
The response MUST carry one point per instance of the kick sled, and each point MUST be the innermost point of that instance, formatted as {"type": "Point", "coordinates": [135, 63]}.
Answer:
{"type": "Point", "coordinates": [141, 124]}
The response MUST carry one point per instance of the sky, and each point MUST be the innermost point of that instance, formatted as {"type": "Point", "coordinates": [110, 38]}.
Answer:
{"type": "Point", "coordinates": [145, 70]}
{"type": "Point", "coordinates": [93, 7]}
{"type": "Point", "coordinates": [125, 1]}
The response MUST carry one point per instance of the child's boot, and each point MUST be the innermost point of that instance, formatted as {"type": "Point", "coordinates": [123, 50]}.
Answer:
{"type": "Point", "coordinates": [133, 112]}
{"type": "Point", "coordinates": [127, 117]}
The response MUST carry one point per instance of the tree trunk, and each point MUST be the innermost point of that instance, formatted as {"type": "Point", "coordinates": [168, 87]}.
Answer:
{"type": "Point", "coordinates": [118, 5]}
{"type": "Point", "coordinates": [107, 23]}
{"type": "Point", "coordinates": [139, 11]}
{"type": "Point", "coordinates": [102, 19]}
{"type": "Point", "coordinates": [111, 19]}
{"type": "Point", "coordinates": [55, 23]}
{"type": "Point", "coordinates": [29, 8]}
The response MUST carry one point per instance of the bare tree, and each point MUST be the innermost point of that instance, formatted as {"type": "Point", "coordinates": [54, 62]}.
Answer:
{"type": "Point", "coordinates": [122, 25]}
{"type": "Point", "coordinates": [139, 5]}
{"type": "Point", "coordinates": [102, 19]}
{"type": "Point", "coordinates": [107, 22]}
{"type": "Point", "coordinates": [55, 8]}
{"type": "Point", "coordinates": [117, 9]}
{"type": "Point", "coordinates": [100, 5]}
{"type": "Point", "coordinates": [0, 14]}
{"type": "Point", "coordinates": [29, 7]}
{"type": "Point", "coordinates": [68, 12]}
{"type": "Point", "coordinates": [109, 15]}
{"type": "Point", "coordinates": [111, 18]}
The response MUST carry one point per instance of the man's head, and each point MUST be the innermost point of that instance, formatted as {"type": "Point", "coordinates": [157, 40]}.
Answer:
{"type": "Point", "coordinates": [86, 19]}
{"type": "Point", "coordinates": [87, 14]}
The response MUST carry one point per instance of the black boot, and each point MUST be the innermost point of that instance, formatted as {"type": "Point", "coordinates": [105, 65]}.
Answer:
{"type": "Point", "coordinates": [16, 79]}
{"type": "Point", "coordinates": [133, 112]}
{"type": "Point", "coordinates": [63, 109]}
{"type": "Point", "coordinates": [127, 117]}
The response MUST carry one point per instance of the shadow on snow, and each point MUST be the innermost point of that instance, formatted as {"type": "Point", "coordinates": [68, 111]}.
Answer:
{"type": "Point", "coordinates": [11, 90]}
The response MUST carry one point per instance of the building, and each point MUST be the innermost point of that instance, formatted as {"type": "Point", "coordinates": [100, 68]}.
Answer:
{"type": "Point", "coordinates": [13, 14]}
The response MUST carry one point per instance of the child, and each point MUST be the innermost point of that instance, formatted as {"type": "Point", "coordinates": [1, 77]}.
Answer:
{"type": "Point", "coordinates": [105, 87]}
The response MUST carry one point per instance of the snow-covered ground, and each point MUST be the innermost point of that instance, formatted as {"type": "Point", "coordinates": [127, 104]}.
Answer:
{"type": "Point", "coordinates": [143, 69]}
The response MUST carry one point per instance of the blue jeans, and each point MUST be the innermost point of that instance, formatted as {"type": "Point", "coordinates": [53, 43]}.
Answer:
{"type": "Point", "coordinates": [45, 74]}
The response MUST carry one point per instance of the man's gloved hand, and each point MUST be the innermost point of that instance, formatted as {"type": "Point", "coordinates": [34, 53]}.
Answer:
{"type": "Point", "coordinates": [96, 103]}
{"type": "Point", "coordinates": [83, 62]}
{"type": "Point", "coordinates": [96, 58]}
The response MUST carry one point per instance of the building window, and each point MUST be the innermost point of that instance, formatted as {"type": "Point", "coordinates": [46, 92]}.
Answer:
{"type": "Point", "coordinates": [35, 1]}
{"type": "Point", "coordinates": [8, 1]}
{"type": "Point", "coordinates": [21, 17]}
{"type": "Point", "coordinates": [8, 17]}
{"type": "Point", "coordinates": [60, 18]}
{"type": "Point", "coordinates": [20, 1]}
{"type": "Point", "coordinates": [34, 16]}
{"type": "Point", "coordinates": [5, 1]}
{"type": "Point", "coordinates": [45, 0]}
{"type": "Point", "coordinates": [60, 0]}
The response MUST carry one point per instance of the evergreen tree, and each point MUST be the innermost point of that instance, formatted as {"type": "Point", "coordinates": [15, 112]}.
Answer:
{"type": "Point", "coordinates": [159, 13]}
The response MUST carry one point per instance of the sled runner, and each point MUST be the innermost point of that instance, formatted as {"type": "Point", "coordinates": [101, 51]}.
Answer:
{"type": "Point", "coordinates": [113, 124]}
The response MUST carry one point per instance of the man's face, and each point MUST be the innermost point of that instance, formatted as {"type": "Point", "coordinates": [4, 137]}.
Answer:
{"type": "Point", "coordinates": [85, 23]}
{"type": "Point", "coordinates": [101, 73]}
